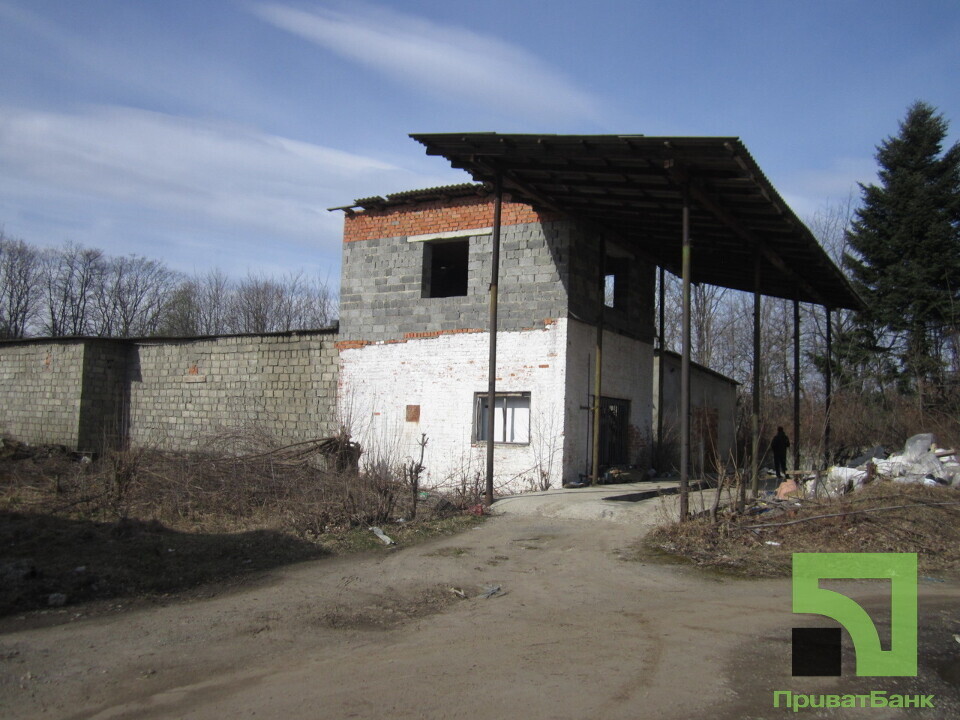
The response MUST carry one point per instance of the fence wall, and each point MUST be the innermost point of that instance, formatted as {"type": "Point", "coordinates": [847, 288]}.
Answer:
{"type": "Point", "coordinates": [177, 394]}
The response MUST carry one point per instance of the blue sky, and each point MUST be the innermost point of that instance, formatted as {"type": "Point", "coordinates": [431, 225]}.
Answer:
{"type": "Point", "coordinates": [215, 133]}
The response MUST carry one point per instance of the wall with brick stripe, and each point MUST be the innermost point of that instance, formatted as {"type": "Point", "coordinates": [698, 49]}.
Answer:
{"type": "Point", "coordinates": [548, 269]}
{"type": "Point", "coordinates": [382, 285]}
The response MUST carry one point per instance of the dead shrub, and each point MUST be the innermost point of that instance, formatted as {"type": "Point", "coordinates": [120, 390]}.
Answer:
{"type": "Point", "coordinates": [253, 481]}
{"type": "Point", "coordinates": [883, 517]}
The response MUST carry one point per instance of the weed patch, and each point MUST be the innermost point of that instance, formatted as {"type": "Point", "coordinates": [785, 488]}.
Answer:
{"type": "Point", "coordinates": [884, 517]}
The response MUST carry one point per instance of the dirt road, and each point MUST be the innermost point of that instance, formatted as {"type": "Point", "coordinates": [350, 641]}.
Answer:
{"type": "Point", "coordinates": [580, 628]}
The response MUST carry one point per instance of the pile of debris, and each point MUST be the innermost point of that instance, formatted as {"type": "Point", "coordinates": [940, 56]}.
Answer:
{"type": "Point", "coordinates": [921, 462]}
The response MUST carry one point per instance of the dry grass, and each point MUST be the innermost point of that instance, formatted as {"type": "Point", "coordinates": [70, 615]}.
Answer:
{"type": "Point", "coordinates": [142, 522]}
{"type": "Point", "coordinates": [859, 522]}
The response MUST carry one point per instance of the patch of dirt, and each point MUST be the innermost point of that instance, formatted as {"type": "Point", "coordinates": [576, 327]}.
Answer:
{"type": "Point", "coordinates": [450, 552]}
{"type": "Point", "coordinates": [384, 610]}
{"type": "Point", "coordinates": [70, 534]}
{"type": "Point", "coordinates": [49, 561]}
{"type": "Point", "coordinates": [573, 632]}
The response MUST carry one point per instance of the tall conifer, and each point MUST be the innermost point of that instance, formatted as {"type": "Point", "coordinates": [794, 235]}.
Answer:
{"type": "Point", "coordinates": [906, 246]}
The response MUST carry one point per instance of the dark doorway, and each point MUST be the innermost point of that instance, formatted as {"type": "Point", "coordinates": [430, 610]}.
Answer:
{"type": "Point", "coordinates": [614, 425]}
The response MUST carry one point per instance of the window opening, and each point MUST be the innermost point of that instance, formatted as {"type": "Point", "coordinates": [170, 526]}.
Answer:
{"type": "Point", "coordinates": [511, 418]}
{"type": "Point", "coordinates": [609, 290]}
{"type": "Point", "coordinates": [445, 265]}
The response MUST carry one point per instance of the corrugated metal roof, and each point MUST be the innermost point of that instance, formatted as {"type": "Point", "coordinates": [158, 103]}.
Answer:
{"type": "Point", "coordinates": [634, 186]}
{"type": "Point", "coordinates": [444, 192]}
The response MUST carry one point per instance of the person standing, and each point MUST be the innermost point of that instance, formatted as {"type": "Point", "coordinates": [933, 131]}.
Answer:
{"type": "Point", "coordinates": [779, 446]}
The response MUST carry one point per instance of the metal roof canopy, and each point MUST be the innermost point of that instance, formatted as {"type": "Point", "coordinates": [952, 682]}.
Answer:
{"type": "Point", "coordinates": [634, 186]}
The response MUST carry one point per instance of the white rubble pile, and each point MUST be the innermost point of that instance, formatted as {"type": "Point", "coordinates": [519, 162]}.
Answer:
{"type": "Point", "coordinates": [920, 462]}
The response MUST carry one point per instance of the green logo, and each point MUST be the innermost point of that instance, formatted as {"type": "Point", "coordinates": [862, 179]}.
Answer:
{"type": "Point", "coordinates": [808, 597]}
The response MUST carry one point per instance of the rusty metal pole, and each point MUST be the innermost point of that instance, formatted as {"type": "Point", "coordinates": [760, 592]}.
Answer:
{"type": "Point", "coordinates": [492, 368]}
{"type": "Point", "coordinates": [685, 366]}
{"type": "Point", "coordinates": [796, 384]}
{"type": "Point", "coordinates": [755, 415]}
{"type": "Point", "coordinates": [662, 338]}
{"type": "Point", "coordinates": [828, 383]}
{"type": "Point", "coordinates": [598, 367]}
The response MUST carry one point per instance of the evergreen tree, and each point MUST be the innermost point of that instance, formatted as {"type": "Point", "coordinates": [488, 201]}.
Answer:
{"type": "Point", "coordinates": [906, 247]}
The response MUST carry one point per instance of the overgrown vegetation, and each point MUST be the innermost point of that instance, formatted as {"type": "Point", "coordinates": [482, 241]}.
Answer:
{"type": "Point", "coordinates": [884, 517]}
{"type": "Point", "coordinates": [142, 521]}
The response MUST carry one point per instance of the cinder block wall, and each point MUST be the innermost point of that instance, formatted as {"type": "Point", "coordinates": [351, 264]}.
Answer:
{"type": "Point", "coordinates": [381, 292]}
{"type": "Point", "coordinates": [633, 315]}
{"type": "Point", "coordinates": [101, 422]}
{"type": "Point", "coordinates": [40, 386]}
{"type": "Point", "coordinates": [182, 393]}
{"type": "Point", "coordinates": [548, 270]}
{"type": "Point", "coordinates": [176, 394]}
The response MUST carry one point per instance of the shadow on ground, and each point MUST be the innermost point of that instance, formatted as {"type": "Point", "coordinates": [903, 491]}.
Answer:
{"type": "Point", "coordinates": [763, 666]}
{"type": "Point", "coordinates": [49, 561]}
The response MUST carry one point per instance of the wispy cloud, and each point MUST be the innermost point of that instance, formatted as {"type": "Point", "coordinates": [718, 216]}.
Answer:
{"type": "Point", "coordinates": [446, 60]}
{"type": "Point", "coordinates": [206, 179]}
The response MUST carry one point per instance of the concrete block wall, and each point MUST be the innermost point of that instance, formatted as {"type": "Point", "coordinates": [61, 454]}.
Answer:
{"type": "Point", "coordinates": [183, 393]}
{"type": "Point", "coordinates": [102, 421]}
{"type": "Point", "coordinates": [382, 285]}
{"type": "Point", "coordinates": [636, 280]}
{"type": "Point", "coordinates": [548, 269]}
{"type": "Point", "coordinates": [90, 393]}
{"type": "Point", "coordinates": [40, 388]}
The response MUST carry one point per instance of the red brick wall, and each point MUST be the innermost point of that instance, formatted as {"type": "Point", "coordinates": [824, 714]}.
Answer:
{"type": "Point", "coordinates": [435, 217]}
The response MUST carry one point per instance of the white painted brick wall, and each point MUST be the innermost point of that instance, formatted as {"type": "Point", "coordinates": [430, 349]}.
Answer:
{"type": "Point", "coordinates": [627, 375]}
{"type": "Point", "coordinates": [441, 375]}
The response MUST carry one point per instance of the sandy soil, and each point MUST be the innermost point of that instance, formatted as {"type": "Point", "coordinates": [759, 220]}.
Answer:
{"type": "Point", "coordinates": [583, 627]}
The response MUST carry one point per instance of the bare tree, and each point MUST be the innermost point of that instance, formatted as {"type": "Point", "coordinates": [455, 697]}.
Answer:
{"type": "Point", "coordinates": [262, 304]}
{"type": "Point", "coordinates": [213, 296]}
{"type": "Point", "coordinates": [708, 320]}
{"type": "Point", "coordinates": [19, 293]}
{"type": "Point", "coordinates": [254, 306]}
{"type": "Point", "coordinates": [180, 315]}
{"type": "Point", "coordinates": [70, 277]}
{"type": "Point", "coordinates": [131, 296]}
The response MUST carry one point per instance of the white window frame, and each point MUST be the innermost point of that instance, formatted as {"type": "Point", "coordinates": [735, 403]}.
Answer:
{"type": "Point", "coordinates": [511, 418]}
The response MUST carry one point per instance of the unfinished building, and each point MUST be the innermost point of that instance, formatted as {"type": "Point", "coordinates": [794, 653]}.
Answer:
{"type": "Point", "coordinates": [548, 271]}
{"type": "Point", "coordinates": [413, 341]}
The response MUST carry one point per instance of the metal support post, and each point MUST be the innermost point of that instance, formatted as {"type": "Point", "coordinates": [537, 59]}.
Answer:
{"type": "Point", "coordinates": [796, 385]}
{"type": "Point", "coordinates": [598, 367]}
{"type": "Point", "coordinates": [685, 366]}
{"type": "Point", "coordinates": [492, 369]}
{"type": "Point", "coordinates": [755, 415]}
